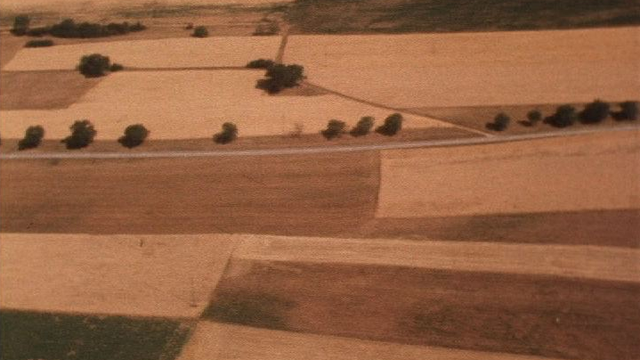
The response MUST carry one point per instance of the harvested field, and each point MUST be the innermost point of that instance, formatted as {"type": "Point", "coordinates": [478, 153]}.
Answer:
{"type": "Point", "coordinates": [32, 335]}
{"type": "Point", "coordinates": [164, 53]}
{"type": "Point", "coordinates": [586, 172]}
{"type": "Point", "coordinates": [591, 262]}
{"type": "Point", "coordinates": [469, 69]}
{"type": "Point", "coordinates": [287, 195]}
{"type": "Point", "coordinates": [476, 117]}
{"type": "Point", "coordinates": [9, 47]}
{"type": "Point", "coordinates": [169, 276]}
{"type": "Point", "coordinates": [213, 341]}
{"type": "Point", "coordinates": [42, 90]}
{"type": "Point", "coordinates": [520, 314]}
{"type": "Point", "coordinates": [194, 104]}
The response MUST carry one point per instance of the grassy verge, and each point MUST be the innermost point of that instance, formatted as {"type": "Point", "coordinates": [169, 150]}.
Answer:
{"type": "Point", "coordinates": [395, 16]}
{"type": "Point", "coordinates": [29, 335]}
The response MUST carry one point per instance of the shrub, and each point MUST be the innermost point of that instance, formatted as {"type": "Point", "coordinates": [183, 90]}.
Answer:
{"type": "Point", "coordinates": [595, 112]}
{"type": "Point", "coordinates": [228, 134]}
{"type": "Point", "coordinates": [335, 128]}
{"type": "Point", "coordinates": [32, 138]}
{"type": "Point", "coordinates": [94, 65]}
{"type": "Point", "coordinates": [38, 31]}
{"type": "Point", "coordinates": [565, 116]}
{"type": "Point", "coordinates": [138, 26]}
{"type": "Point", "coordinates": [628, 111]}
{"type": "Point", "coordinates": [38, 43]}
{"type": "Point", "coordinates": [116, 67]}
{"type": "Point", "coordinates": [200, 32]}
{"type": "Point", "coordinates": [280, 76]}
{"type": "Point", "coordinates": [392, 125]}
{"type": "Point", "coordinates": [189, 26]}
{"type": "Point", "coordinates": [534, 117]}
{"type": "Point", "coordinates": [134, 135]}
{"type": "Point", "coordinates": [363, 127]}
{"type": "Point", "coordinates": [82, 134]}
{"type": "Point", "coordinates": [500, 122]}
{"type": "Point", "coordinates": [260, 64]}
{"type": "Point", "coordinates": [20, 25]}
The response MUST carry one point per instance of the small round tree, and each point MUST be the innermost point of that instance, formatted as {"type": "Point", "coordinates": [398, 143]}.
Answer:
{"type": "Point", "coordinates": [82, 134]}
{"type": "Point", "coordinates": [363, 127]}
{"type": "Point", "coordinates": [565, 116]}
{"type": "Point", "coordinates": [392, 125]}
{"type": "Point", "coordinates": [228, 134]}
{"type": "Point", "coordinates": [335, 129]}
{"type": "Point", "coordinates": [32, 138]}
{"type": "Point", "coordinates": [94, 65]}
{"type": "Point", "coordinates": [534, 117]}
{"type": "Point", "coordinates": [628, 111]}
{"type": "Point", "coordinates": [200, 32]}
{"type": "Point", "coordinates": [595, 112]}
{"type": "Point", "coordinates": [134, 135]}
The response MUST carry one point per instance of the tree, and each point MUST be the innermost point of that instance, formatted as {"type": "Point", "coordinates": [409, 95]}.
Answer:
{"type": "Point", "coordinates": [280, 76]}
{"type": "Point", "coordinates": [134, 135]}
{"type": "Point", "coordinates": [82, 134]}
{"type": "Point", "coordinates": [363, 127]}
{"type": "Point", "coordinates": [500, 122]}
{"type": "Point", "coordinates": [20, 25]}
{"type": "Point", "coordinates": [628, 111]}
{"type": "Point", "coordinates": [335, 128]}
{"type": "Point", "coordinates": [392, 125]}
{"type": "Point", "coordinates": [32, 138]}
{"type": "Point", "coordinates": [565, 116]}
{"type": "Point", "coordinates": [94, 65]}
{"type": "Point", "coordinates": [595, 112]}
{"type": "Point", "coordinates": [200, 32]}
{"type": "Point", "coordinates": [534, 117]}
{"type": "Point", "coordinates": [228, 134]}
{"type": "Point", "coordinates": [260, 64]}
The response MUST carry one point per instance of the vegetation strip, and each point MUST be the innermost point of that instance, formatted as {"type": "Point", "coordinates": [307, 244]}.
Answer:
{"type": "Point", "coordinates": [312, 150]}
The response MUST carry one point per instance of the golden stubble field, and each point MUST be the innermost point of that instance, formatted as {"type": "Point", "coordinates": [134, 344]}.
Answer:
{"type": "Point", "coordinates": [466, 69]}
{"type": "Point", "coordinates": [579, 173]}
{"type": "Point", "coordinates": [194, 104]}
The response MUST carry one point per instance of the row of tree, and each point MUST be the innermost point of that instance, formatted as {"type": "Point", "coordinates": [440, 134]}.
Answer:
{"type": "Point", "coordinates": [68, 28]}
{"type": "Point", "coordinates": [391, 126]}
{"type": "Point", "coordinates": [567, 115]}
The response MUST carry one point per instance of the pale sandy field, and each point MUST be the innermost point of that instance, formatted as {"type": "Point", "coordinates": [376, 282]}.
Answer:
{"type": "Point", "coordinates": [212, 341]}
{"type": "Point", "coordinates": [159, 53]}
{"type": "Point", "coordinates": [586, 172]}
{"type": "Point", "coordinates": [168, 276]}
{"type": "Point", "coordinates": [593, 262]}
{"type": "Point", "coordinates": [194, 104]}
{"type": "Point", "coordinates": [437, 70]}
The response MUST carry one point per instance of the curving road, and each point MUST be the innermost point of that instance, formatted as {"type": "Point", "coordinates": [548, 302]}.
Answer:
{"type": "Point", "coordinates": [310, 150]}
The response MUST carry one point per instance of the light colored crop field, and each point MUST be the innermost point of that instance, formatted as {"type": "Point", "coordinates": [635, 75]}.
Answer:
{"type": "Point", "coordinates": [168, 276]}
{"type": "Point", "coordinates": [593, 262]}
{"type": "Point", "coordinates": [465, 69]}
{"type": "Point", "coordinates": [587, 172]}
{"type": "Point", "coordinates": [194, 104]}
{"type": "Point", "coordinates": [157, 53]}
{"type": "Point", "coordinates": [212, 341]}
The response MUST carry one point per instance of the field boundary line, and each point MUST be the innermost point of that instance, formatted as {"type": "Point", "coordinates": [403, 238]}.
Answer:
{"type": "Point", "coordinates": [311, 150]}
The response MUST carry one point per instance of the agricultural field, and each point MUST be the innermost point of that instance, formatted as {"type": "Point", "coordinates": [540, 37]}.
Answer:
{"type": "Point", "coordinates": [428, 237]}
{"type": "Point", "coordinates": [194, 104]}
{"type": "Point", "coordinates": [474, 69]}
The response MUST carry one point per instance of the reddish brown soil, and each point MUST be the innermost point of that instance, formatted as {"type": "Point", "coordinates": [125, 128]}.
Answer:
{"type": "Point", "coordinates": [566, 318]}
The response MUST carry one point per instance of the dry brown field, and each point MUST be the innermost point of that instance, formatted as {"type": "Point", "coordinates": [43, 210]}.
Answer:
{"type": "Point", "coordinates": [585, 172]}
{"type": "Point", "coordinates": [475, 69]}
{"type": "Point", "coordinates": [43, 90]}
{"type": "Point", "coordinates": [521, 314]}
{"type": "Point", "coordinates": [194, 104]}
{"type": "Point", "coordinates": [214, 341]}
{"type": "Point", "coordinates": [138, 275]}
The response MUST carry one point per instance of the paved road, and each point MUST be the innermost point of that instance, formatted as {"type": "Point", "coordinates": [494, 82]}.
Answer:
{"type": "Point", "coordinates": [309, 150]}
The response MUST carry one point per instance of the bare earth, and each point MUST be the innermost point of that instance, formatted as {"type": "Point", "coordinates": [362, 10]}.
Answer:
{"type": "Point", "coordinates": [194, 104]}
{"type": "Point", "coordinates": [168, 276]}
{"type": "Point", "coordinates": [590, 172]}
{"type": "Point", "coordinates": [465, 69]}
{"type": "Point", "coordinates": [213, 341]}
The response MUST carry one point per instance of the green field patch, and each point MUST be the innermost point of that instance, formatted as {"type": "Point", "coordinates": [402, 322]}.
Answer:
{"type": "Point", "coordinates": [29, 335]}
